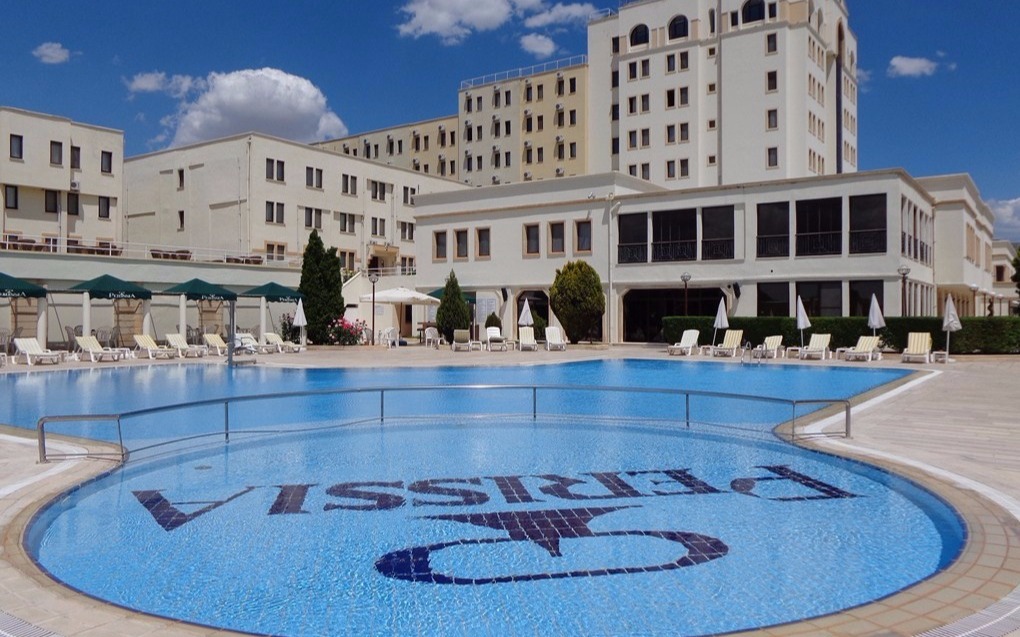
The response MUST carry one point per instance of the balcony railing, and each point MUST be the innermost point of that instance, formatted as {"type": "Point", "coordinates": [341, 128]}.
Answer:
{"type": "Point", "coordinates": [867, 241]}
{"type": "Point", "coordinates": [716, 249]}
{"type": "Point", "coordinates": [773, 245]}
{"type": "Point", "coordinates": [818, 243]}
{"type": "Point", "coordinates": [633, 253]}
{"type": "Point", "coordinates": [675, 250]}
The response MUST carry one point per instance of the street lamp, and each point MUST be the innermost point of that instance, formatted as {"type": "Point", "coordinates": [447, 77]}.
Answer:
{"type": "Point", "coordinates": [973, 294]}
{"type": "Point", "coordinates": [374, 278]}
{"type": "Point", "coordinates": [685, 277]}
{"type": "Point", "coordinates": [903, 271]}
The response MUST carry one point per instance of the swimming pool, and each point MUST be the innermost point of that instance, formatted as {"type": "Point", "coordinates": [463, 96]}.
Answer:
{"type": "Point", "coordinates": [461, 525]}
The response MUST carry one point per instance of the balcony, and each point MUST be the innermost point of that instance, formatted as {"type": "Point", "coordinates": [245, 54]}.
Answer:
{"type": "Point", "coordinates": [632, 253]}
{"type": "Point", "coordinates": [773, 245]}
{"type": "Point", "coordinates": [867, 241]}
{"type": "Point", "coordinates": [716, 249]}
{"type": "Point", "coordinates": [675, 250]}
{"type": "Point", "coordinates": [819, 243]}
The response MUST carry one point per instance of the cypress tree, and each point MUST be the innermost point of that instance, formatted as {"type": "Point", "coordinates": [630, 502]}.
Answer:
{"type": "Point", "coordinates": [577, 299]}
{"type": "Point", "coordinates": [322, 286]}
{"type": "Point", "coordinates": [453, 312]}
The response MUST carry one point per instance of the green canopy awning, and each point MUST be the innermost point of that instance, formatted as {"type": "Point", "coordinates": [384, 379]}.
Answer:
{"type": "Point", "coordinates": [275, 292]}
{"type": "Point", "coordinates": [199, 290]}
{"type": "Point", "coordinates": [469, 297]}
{"type": "Point", "coordinates": [110, 287]}
{"type": "Point", "coordinates": [12, 287]}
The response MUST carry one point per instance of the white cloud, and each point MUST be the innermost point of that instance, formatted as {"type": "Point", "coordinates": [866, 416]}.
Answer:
{"type": "Point", "coordinates": [903, 66]}
{"type": "Point", "coordinates": [1007, 218]}
{"type": "Point", "coordinates": [864, 79]}
{"type": "Point", "coordinates": [51, 53]}
{"type": "Point", "coordinates": [176, 86]}
{"type": "Point", "coordinates": [561, 14]}
{"type": "Point", "coordinates": [540, 46]}
{"type": "Point", "coordinates": [264, 100]}
{"type": "Point", "coordinates": [454, 20]}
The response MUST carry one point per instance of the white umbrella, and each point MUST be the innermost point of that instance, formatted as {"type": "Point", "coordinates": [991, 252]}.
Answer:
{"type": "Point", "coordinates": [300, 320]}
{"type": "Point", "coordinates": [721, 320]}
{"type": "Point", "coordinates": [525, 318]}
{"type": "Point", "coordinates": [950, 322]}
{"type": "Point", "coordinates": [875, 319]}
{"type": "Point", "coordinates": [400, 295]}
{"type": "Point", "coordinates": [802, 320]}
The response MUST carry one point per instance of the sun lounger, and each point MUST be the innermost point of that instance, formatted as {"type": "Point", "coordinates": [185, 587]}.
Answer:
{"type": "Point", "coordinates": [184, 349]}
{"type": "Point", "coordinates": [247, 343]}
{"type": "Point", "coordinates": [554, 339]}
{"type": "Point", "coordinates": [33, 352]}
{"type": "Point", "coordinates": [817, 347]}
{"type": "Point", "coordinates": [729, 345]}
{"type": "Point", "coordinates": [215, 343]}
{"type": "Point", "coordinates": [494, 339]}
{"type": "Point", "coordinates": [526, 339]}
{"type": "Point", "coordinates": [769, 348]}
{"type": "Point", "coordinates": [866, 349]}
{"type": "Point", "coordinates": [281, 345]}
{"type": "Point", "coordinates": [461, 339]}
{"type": "Point", "coordinates": [918, 348]}
{"type": "Point", "coordinates": [90, 346]}
{"type": "Point", "coordinates": [687, 344]}
{"type": "Point", "coordinates": [145, 344]}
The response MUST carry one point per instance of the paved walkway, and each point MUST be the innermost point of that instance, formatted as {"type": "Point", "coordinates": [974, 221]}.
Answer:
{"type": "Point", "coordinates": [956, 429]}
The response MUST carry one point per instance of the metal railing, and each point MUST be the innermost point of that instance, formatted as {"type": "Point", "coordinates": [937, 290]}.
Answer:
{"type": "Point", "coordinates": [528, 71]}
{"type": "Point", "coordinates": [670, 415]}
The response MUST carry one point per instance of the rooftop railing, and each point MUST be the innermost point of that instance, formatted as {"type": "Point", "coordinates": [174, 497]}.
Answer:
{"type": "Point", "coordinates": [522, 72]}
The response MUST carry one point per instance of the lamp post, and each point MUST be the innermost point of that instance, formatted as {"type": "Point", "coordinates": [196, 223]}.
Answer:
{"type": "Point", "coordinates": [903, 272]}
{"type": "Point", "coordinates": [374, 278]}
{"type": "Point", "coordinates": [973, 294]}
{"type": "Point", "coordinates": [685, 277]}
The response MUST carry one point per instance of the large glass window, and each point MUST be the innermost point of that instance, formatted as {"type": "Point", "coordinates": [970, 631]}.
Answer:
{"type": "Point", "coordinates": [557, 240]}
{"type": "Point", "coordinates": [56, 153]}
{"type": "Point", "coordinates": [821, 298]}
{"type": "Point", "coordinates": [439, 245]}
{"type": "Point", "coordinates": [717, 233]}
{"type": "Point", "coordinates": [461, 237]}
{"type": "Point", "coordinates": [774, 229]}
{"type": "Point", "coordinates": [17, 147]}
{"type": "Point", "coordinates": [868, 224]}
{"type": "Point", "coordinates": [753, 11]}
{"type": "Point", "coordinates": [675, 235]}
{"type": "Point", "coordinates": [106, 162]}
{"type": "Point", "coordinates": [678, 27]}
{"type": "Point", "coordinates": [819, 226]}
{"type": "Point", "coordinates": [484, 245]}
{"type": "Point", "coordinates": [104, 207]}
{"type": "Point", "coordinates": [774, 299]}
{"type": "Point", "coordinates": [73, 205]}
{"type": "Point", "coordinates": [531, 243]}
{"type": "Point", "coordinates": [860, 296]}
{"type": "Point", "coordinates": [633, 242]}
{"type": "Point", "coordinates": [639, 35]}
{"type": "Point", "coordinates": [582, 239]}
{"type": "Point", "coordinates": [52, 201]}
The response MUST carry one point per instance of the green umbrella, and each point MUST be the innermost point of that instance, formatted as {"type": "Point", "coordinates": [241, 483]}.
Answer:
{"type": "Point", "coordinates": [110, 287]}
{"type": "Point", "coordinates": [199, 290]}
{"type": "Point", "coordinates": [469, 297]}
{"type": "Point", "coordinates": [275, 293]}
{"type": "Point", "coordinates": [11, 287]}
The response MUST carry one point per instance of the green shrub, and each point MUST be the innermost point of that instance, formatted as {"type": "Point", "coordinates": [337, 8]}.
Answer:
{"type": "Point", "coordinates": [493, 321]}
{"type": "Point", "coordinates": [577, 299]}
{"type": "Point", "coordinates": [453, 312]}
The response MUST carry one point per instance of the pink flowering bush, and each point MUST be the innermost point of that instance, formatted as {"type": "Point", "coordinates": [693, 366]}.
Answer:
{"type": "Point", "coordinates": [340, 331]}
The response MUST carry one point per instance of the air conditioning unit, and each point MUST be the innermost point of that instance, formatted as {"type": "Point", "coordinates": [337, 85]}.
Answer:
{"type": "Point", "coordinates": [559, 138]}
{"type": "Point", "coordinates": [559, 106]}
{"type": "Point", "coordinates": [527, 81]}
{"type": "Point", "coordinates": [527, 112]}
{"type": "Point", "coordinates": [389, 137]}
{"type": "Point", "coordinates": [415, 162]}
{"type": "Point", "coordinates": [414, 132]}
{"type": "Point", "coordinates": [468, 95]}
{"type": "Point", "coordinates": [467, 123]}
{"type": "Point", "coordinates": [467, 153]}
{"type": "Point", "coordinates": [495, 87]}
{"type": "Point", "coordinates": [495, 118]}
{"type": "Point", "coordinates": [442, 127]}
{"type": "Point", "coordinates": [527, 143]}
{"type": "Point", "coordinates": [495, 179]}
{"type": "Point", "coordinates": [559, 172]}
{"type": "Point", "coordinates": [559, 75]}
{"type": "Point", "coordinates": [527, 176]}
{"type": "Point", "coordinates": [75, 186]}
{"type": "Point", "coordinates": [495, 148]}
{"type": "Point", "coordinates": [442, 158]}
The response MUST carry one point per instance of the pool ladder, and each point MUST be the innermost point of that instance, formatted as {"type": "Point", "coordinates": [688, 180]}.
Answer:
{"type": "Point", "coordinates": [748, 352]}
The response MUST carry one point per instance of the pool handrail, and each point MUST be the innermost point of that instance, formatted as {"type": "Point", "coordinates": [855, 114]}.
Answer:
{"type": "Point", "coordinates": [226, 401]}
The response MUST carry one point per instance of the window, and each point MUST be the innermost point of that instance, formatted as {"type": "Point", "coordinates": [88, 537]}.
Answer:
{"type": "Point", "coordinates": [76, 157]}
{"type": "Point", "coordinates": [685, 168]}
{"type": "Point", "coordinates": [275, 251]}
{"type": "Point", "coordinates": [772, 119]}
{"type": "Point", "coordinates": [573, 150]}
{"type": "Point", "coordinates": [646, 137]}
{"type": "Point", "coordinates": [52, 201]}
{"type": "Point", "coordinates": [313, 177]}
{"type": "Point", "coordinates": [646, 67]}
{"type": "Point", "coordinates": [180, 179]}
{"type": "Point", "coordinates": [773, 299]}
{"type": "Point", "coordinates": [11, 197]}
{"type": "Point", "coordinates": [73, 204]}
{"type": "Point", "coordinates": [616, 44]}
{"type": "Point", "coordinates": [56, 153]}
{"type": "Point", "coordinates": [347, 222]}
{"type": "Point", "coordinates": [541, 91]}
{"type": "Point", "coordinates": [540, 122]}
{"type": "Point", "coordinates": [572, 117]}
{"type": "Point", "coordinates": [645, 103]}
{"type": "Point", "coordinates": [684, 60]}
{"type": "Point", "coordinates": [557, 239]}
{"type": "Point", "coordinates": [772, 157]}
{"type": "Point", "coordinates": [671, 134]}
{"type": "Point", "coordinates": [483, 243]}
{"type": "Point", "coordinates": [17, 147]}
{"type": "Point", "coordinates": [860, 296]}
{"type": "Point", "coordinates": [711, 160]}
{"type": "Point", "coordinates": [717, 233]}
{"type": "Point", "coordinates": [685, 96]}
{"type": "Point", "coordinates": [104, 207]}
{"type": "Point", "coordinates": [560, 87]}
{"type": "Point", "coordinates": [378, 190]}
{"type": "Point", "coordinates": [632, 105]}
{"type": "Point", "coordinates": [639, 35]}
{"type": "Point", "coordinates": [615, 79]}
{"type": "Point", "coordinates": [675, 235]}
{"type": "Point", "coordinates": [646, 171]}
{"type": "Point", "coordinates": [753, 11]}
{"type": "Point", "coordinates": [274, 212]}
{"type": "Point", "coordinates": [771, 43]}
{"type": "Point", "coordinates": [819, 226]}
{"type": "Point", "coordinates": [106, 162]}
{"type": "Point", "coordinates": [274, 170]}
{"type": "Point", "coordinates": [582, 236]}
{"type": "Point", "coordinates": [633, 238]}
{"type": "Point", "coordinates": [409, 195]}
{"type": "Point", "coordinates": [349, 185]}
{"type": "Point", "coordinates": [632, 139]}
{"type": "Point", "coordinates": [774, 231]}
{"type": "Point", "coordinates": [632, 71]}
{"type": "Point", "coordinates": [406, 231]}
{"type": "Point", "coordinates": [821, 298]}
{"type": "Point", "coordinates": [671, 98]}
{"type": "Point", "coordinates": [313, 218]}
{"type": "Point", "coordinates": [461, 239]}
{"type": "Point", "coordinates": [671, 169]}
{"type": "Point", "coordinates": [531, 239]}
{"type": "Point", "coordinates": [678, 27]}
{"type": "Point", "coordinates": [685, 132]}
{"type": "Point", "coordinates": [772, 81]}
{"type": "Point", "coordinates": [572, 84]}
{"type": "Point", "coordinates": [439, 245]}
{"type": "Point", "coordinates": [180, 220]}
{"type": "Point", "coordinates": [868, 224]}
{"type": "Point", "coordinates": [671, 63]}
{"type": "Point", "coordinates": [711, 88]}
{"type": "Point", "coordinates": [711, 124]}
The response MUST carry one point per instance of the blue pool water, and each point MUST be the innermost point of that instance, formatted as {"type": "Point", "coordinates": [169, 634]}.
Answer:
{"type": "Point", "coordinates": [463, 525]}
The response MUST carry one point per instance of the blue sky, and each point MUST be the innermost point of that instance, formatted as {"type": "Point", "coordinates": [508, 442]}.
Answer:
{"type": "Point", "coordinates": [940, 94]}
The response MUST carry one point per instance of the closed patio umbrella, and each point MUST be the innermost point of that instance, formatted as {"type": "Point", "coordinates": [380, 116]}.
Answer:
{"type": "Point", "coordinates": [526, 318]}
{"type": "Point", "coordinates": [875, 319]}
{"type": "Point", "coordinates": [802, 320]}
{"type": "Point", "coordinates": [300, 321]}
{"type": "Point", "coordinates": [722, 322]}
{"type": "Point", "coordinates": [950, 323]}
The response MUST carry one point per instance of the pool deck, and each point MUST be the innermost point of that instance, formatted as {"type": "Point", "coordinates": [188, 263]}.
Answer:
{"type": "Point", "coordinates": [955, 428]}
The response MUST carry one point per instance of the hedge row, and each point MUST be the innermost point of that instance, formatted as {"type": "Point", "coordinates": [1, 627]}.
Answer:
{"type": "Point", "coordinates": [980, 335]}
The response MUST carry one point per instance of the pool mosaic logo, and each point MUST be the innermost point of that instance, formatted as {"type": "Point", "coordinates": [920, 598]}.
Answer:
{"type": "Point", "coordinates": [544, 528]}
